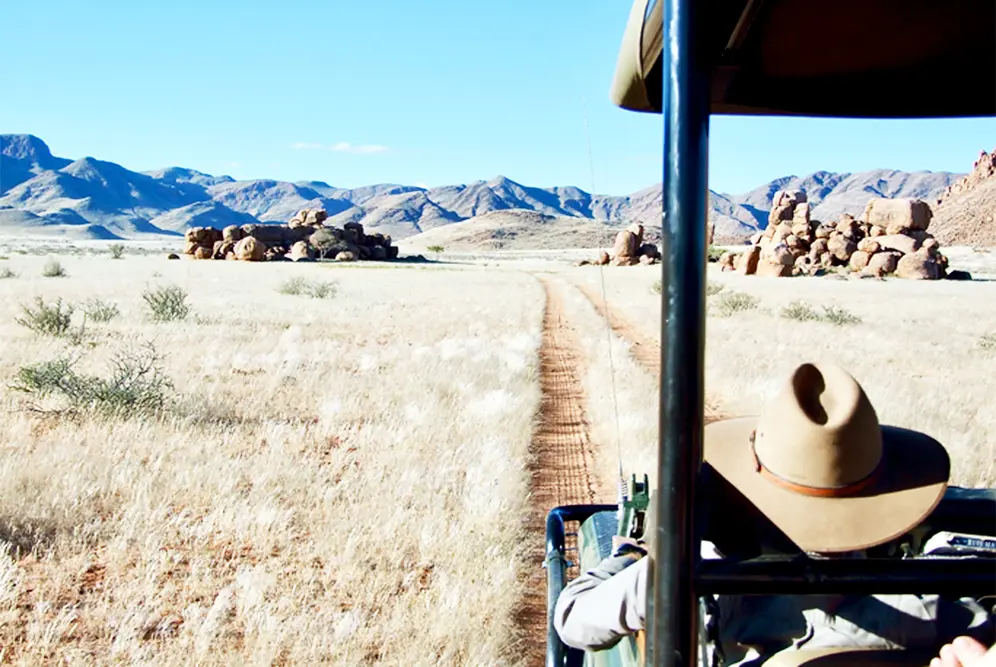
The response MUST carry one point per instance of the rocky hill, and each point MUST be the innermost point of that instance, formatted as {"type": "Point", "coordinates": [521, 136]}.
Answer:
{"type": "Point", "coordinates": [965, 213]}
{"type": "Point", "coordinates": [90, 198]}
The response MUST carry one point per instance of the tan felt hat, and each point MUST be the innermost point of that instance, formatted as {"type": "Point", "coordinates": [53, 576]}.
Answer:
{"type": "Point", "coordinates": [820, 467]}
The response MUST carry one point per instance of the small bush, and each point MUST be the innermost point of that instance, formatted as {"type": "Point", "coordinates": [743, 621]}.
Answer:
{"type": "Point", "coordinates": [435, 248]}
{"type": "Point", "coordinates": [292, 286]}
{"type": "Point", "coordinates": [735, 302]}
{"type": "Point", "coordinates": [6, 273]}
{"type": "Point", "coordinates": [48, 319]}
{"type": "Point", "coordinates": [136, 384]}
{"type": "Point", "coordinates": [53, 269]}
{"type": "Point", "coordinates": [100, 311]}
{"type": "Point", "coordinates": [316, 289]}
{"type": "Point", "coordinates": [322, 289]}
{"type": "Point", "coordinates": [117, 250]}
{"type": "Point", "coordinates": [801, 311]}
{"type": "Point", "coordinates": [988, 342]}
{"type": "Point", "coordinates": [713, 254]}
{"type": "Point", "coordinates": [656, 287]}
{"type": "Point", "coordinates": [839, 316]}
{"type": "Point", "coordinates": [167, 303]}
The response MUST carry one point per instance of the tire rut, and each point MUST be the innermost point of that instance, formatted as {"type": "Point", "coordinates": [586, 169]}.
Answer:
{"type": "Point", "coordinates": [645, 349]}
{"type": "Point", "coordinates": [562, 468]}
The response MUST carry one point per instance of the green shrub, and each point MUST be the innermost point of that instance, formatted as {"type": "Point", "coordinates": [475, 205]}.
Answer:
{"type": "Point", "coordinates": [117, 250]}
{"type": "Point", "coordinates": [316, 289]}
{"type": "Point", "coordinates": [988, 342]}
{"type": "Point", "coordinates": [713, 254]}
{"type": "Point", "coordinates": [322, 289]}
{"type": "Point", "coordinates": [730, 303]}
{"type": "Point", "coordinates": [292, 286]}
{"type": "Point", "coordinates": [656, 287]}
{"type": "Point", "coordinates": [7, 273]}
{"type": "Point", "coordinates": [167, 303]}
{"type": "Point", "coordinates": [54, 319]}
{"type": "Point", "coordinates": [839, 316]}
{"type": "Point", "coordinates": [801, 311]}
{"type": "Point", "coordinates": [135, 383]}
{"type": "Point", "coordinates": [53, 269]}
{"type": "Point", "coordinates": [100, 311]}
{"type": "Point", "coordinates": [435, 248]}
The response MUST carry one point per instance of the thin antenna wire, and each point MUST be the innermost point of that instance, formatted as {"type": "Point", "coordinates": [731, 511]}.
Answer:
{"type": "Point", "coordinates": [608, 323]}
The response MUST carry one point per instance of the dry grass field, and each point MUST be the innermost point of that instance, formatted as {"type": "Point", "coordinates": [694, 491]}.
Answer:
{"type": "Point", "coordinates": [334, 480]}
{"type": "Point", "coordinates": [332, 464]}
{"type": "Point", "coordinates": [925, 352]}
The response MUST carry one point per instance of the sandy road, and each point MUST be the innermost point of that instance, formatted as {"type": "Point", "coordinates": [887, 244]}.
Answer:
{"type": "Point", "coordinates": [562, 467]}
{"type": "Point", "coordinates": [563, 457]}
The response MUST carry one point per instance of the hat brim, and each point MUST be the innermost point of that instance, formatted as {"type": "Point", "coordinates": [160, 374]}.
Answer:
{"type": "Point", "coordinates": [912, 481]}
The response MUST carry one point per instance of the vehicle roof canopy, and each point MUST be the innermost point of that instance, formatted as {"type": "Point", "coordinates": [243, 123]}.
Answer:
{"type": "Point", "coordinates": [839, 58]}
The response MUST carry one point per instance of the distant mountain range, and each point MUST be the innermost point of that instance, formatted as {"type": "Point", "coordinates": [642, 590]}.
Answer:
{"type": "Point", "coordinates": [89, 198]}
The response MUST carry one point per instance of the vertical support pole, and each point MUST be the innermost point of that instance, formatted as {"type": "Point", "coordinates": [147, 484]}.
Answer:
{"type": "Point", "coordinates": [556, 579]}
{"type": "Point", "coordinates": [672, 608]}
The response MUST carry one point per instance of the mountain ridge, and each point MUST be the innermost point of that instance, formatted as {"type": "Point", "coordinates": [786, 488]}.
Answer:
{"type": "Point", "coordinates": [128, 204]}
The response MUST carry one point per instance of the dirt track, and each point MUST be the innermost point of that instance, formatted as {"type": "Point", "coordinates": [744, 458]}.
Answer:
{"type": "Point", "coordinates": [644, 348]}
{"type": "Point", "coordinates": [562, 469]}
{"type": "Point", "coordinates": [563, 452]}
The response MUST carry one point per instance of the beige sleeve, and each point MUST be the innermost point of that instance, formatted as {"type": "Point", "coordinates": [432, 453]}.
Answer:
{"type": "Point", "coordinates": [603, 605]}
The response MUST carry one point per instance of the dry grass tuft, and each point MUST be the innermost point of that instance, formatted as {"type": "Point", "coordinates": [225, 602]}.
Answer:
{"type": "Point", "coordinates": [315, 289]}
{"type": "Point", "coordinates": [731, 303]}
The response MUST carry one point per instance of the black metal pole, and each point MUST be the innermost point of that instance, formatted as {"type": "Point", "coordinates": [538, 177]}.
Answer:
{"type": "Point", "coordinates": [556, 579]}
{"type": "Point", "coordinates": [555, 562]}
{"type": "Point", "coordinates": [672, 608]}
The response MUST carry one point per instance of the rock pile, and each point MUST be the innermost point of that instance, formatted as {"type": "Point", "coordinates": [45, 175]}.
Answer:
{"type": "Point", "coordinates": [889, 238]}
{"type": "Point", "coordinates": [304, 238]}
{"type": "Point", "coordinates": [628, 250]}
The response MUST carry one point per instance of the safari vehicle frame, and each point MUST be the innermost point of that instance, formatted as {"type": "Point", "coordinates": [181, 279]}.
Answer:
{"type": "Point", "coordinates": [689, 59]}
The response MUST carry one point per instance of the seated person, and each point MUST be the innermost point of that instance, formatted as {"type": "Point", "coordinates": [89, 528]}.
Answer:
{"type": "Point", "coordinates": [817, 472]}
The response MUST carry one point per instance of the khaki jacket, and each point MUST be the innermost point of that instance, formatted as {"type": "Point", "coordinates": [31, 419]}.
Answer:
{"type": "Point", "coordinates": [601, 606]}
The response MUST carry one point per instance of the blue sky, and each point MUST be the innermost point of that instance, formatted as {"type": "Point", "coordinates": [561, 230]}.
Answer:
{"type": "Point", "coordinates": [355, 93]}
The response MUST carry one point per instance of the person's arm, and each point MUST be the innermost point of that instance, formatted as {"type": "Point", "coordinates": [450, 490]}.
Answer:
{"type": "Point", "coordinates": [604, 604]}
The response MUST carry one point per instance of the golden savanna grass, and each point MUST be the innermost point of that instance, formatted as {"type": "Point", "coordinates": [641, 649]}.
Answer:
{"type": "Point", "coordinates": [920, 350]}
{"type": "Point", "coordinates": [344, 480]}
{"type": "Point", "coordinates": [339, 481]}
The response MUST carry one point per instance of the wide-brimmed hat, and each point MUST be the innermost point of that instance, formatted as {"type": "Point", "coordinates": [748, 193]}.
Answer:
{"type": "Point", "coordinates": [819, 466]}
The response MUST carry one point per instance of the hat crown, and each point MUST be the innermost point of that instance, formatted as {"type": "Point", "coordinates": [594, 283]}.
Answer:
{"type": "Point", "coordinates": [820, 432]}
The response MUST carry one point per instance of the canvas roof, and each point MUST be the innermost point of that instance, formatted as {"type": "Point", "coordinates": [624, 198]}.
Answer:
{"type": "Point", "coordinates": [842, 58]}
